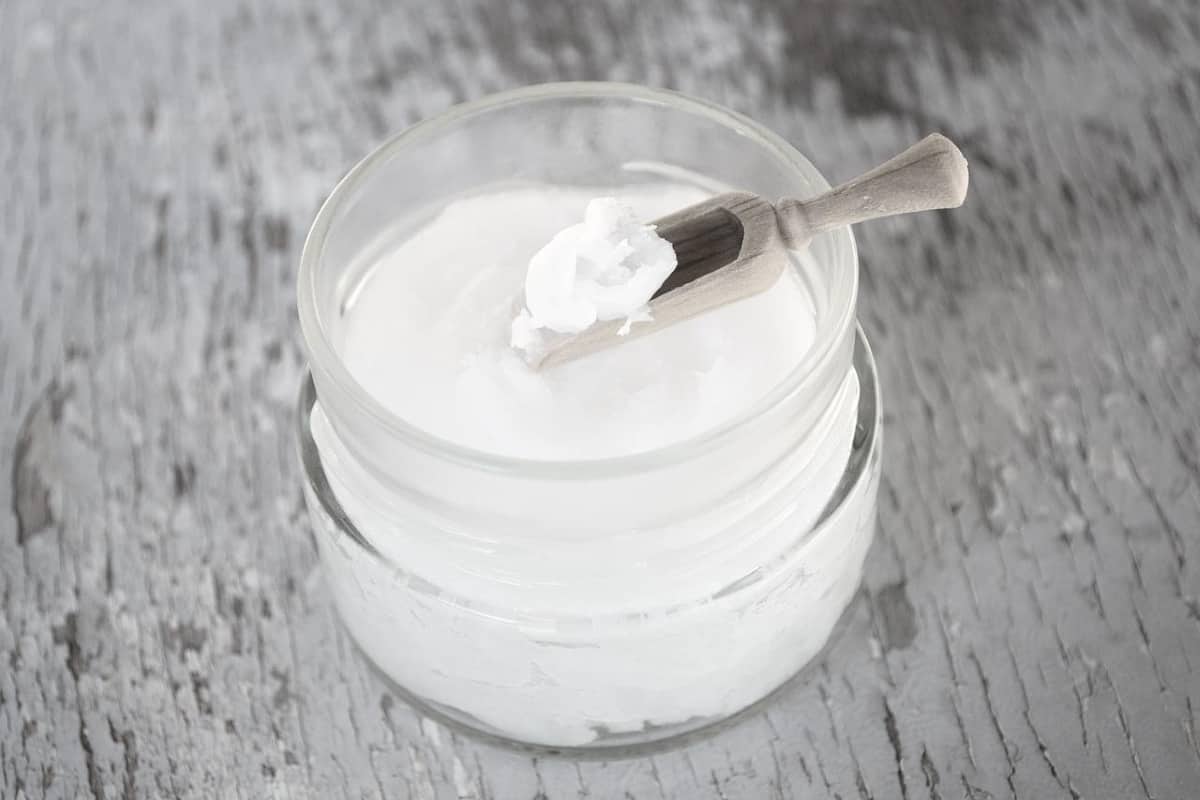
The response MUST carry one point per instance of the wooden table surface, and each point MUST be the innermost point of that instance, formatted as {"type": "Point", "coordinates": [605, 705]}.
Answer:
{"type": "Point", "coordinates": [1030, 619]}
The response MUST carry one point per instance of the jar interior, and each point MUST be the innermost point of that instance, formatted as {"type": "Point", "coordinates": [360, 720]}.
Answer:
{"type": "Point", "coordinates": [585, 141]}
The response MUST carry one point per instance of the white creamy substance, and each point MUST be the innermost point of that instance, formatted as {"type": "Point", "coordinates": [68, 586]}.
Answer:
{"type": "Point", "coordinates": [428, 335]}
{"type": "Point", "coordinates": [606, 267]}
{"type": "Point", "coordinates": [559, 629]}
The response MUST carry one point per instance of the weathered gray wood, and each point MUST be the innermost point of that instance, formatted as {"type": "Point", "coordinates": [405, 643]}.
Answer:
{"type": "Point", "coordinates": [1031, 616]}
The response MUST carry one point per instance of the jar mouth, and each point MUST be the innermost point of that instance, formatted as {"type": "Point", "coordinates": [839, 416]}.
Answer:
{"type": "Point", "coordinates": [865, 450]}
{"type": "Point", "coordinates": [325, 362]}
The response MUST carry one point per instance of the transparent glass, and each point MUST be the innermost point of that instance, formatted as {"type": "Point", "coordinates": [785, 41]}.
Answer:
{"type": "Point", "coordinates": [587, 603]}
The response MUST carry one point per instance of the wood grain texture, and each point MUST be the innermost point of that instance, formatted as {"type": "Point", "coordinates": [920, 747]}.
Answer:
{"type": "Point", "coordinates": [1030, 623]}
{"type": "Point", "coordinates": [928, 176]}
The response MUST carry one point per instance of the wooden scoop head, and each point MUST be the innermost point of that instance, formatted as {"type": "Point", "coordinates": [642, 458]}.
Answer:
{"type": "Point", "coordinates": [726, 248]}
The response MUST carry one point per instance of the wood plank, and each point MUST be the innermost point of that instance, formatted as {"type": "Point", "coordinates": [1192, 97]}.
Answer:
{"type": "Point", "coordinates": [1030, 620]}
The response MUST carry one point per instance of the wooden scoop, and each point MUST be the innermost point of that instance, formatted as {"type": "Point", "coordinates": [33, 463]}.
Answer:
{"type": "Point", "coordinates": [736, 245]}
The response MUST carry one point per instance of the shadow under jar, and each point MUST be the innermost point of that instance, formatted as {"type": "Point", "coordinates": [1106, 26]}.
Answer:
{"type": "Point", "coordinates": [601, 602]}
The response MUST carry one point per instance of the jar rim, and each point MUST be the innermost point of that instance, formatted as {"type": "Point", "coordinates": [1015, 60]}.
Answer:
{"type": "Point", "coordinates": [324, 360]}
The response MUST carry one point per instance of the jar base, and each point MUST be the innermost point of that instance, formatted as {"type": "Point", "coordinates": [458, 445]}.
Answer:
{"type": "Point", "coordinates": [649, 741]}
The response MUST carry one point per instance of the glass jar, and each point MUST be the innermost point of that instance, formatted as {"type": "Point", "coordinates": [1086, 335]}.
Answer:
{"type": "Point", "coordinates": [590, 603]}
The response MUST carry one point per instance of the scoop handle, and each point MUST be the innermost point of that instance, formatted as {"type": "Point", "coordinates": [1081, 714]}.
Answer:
{"type": "Point", "coordinates": [929, 175]}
